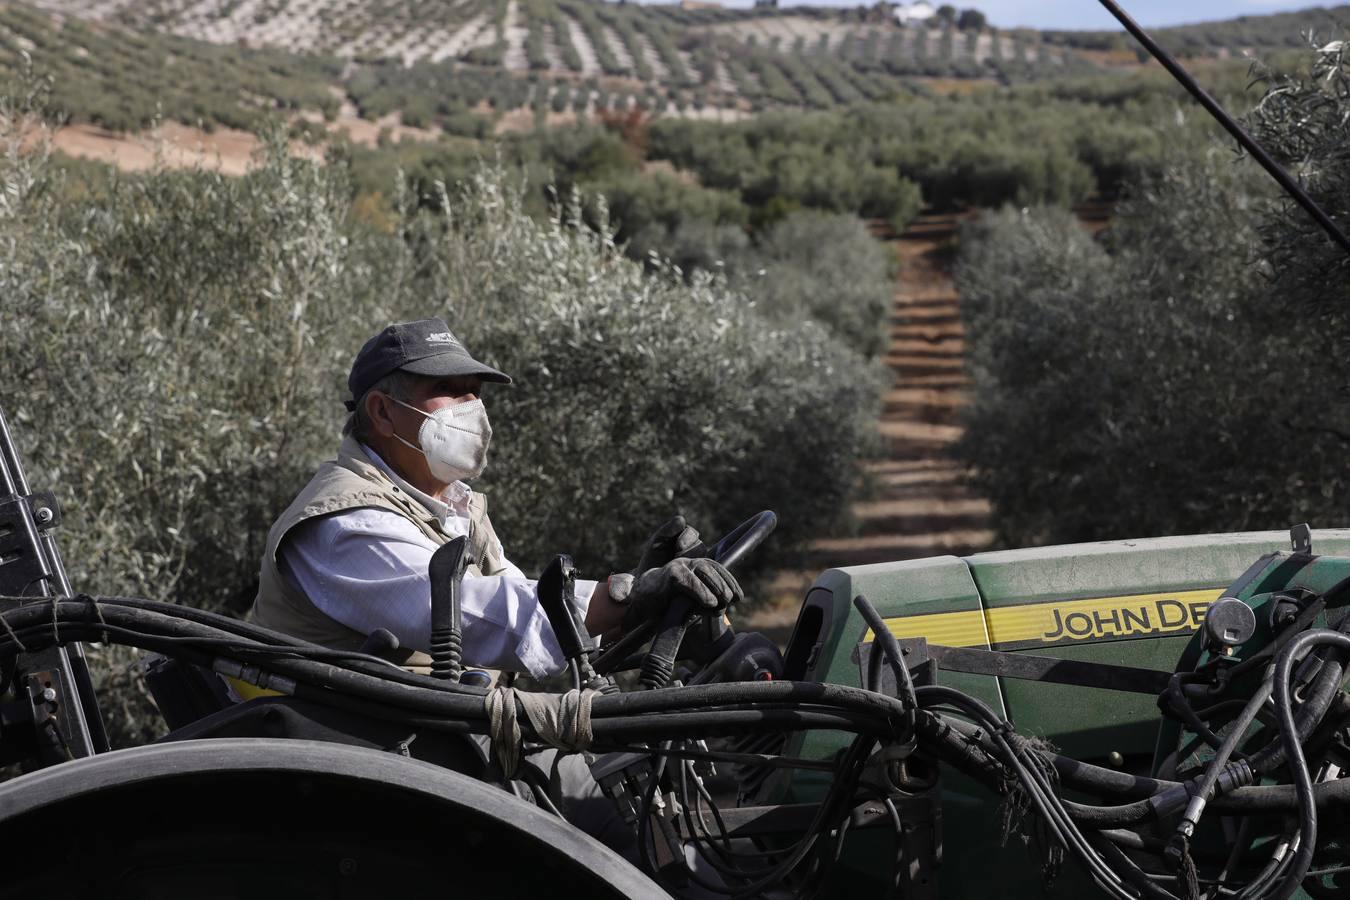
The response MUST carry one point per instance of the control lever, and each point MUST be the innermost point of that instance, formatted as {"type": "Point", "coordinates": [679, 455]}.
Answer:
{"type": "Point", "coordinates": [557, 591]}
{"type": "Point", "coordinates": [680, 619]}
{"type": "Point", "coordinates": [445, 571]}
{"type": "Point", "coordinates": [659, 666]}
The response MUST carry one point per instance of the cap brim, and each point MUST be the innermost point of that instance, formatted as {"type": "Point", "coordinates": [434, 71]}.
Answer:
{"type": "Point", "coordinates": [455, 364]}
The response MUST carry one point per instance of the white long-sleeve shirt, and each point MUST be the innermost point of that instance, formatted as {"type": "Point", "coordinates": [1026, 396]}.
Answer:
{"type": "Point", "coordinates": [367, 569]}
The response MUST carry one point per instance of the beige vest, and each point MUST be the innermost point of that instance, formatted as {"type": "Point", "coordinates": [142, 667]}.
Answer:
{"type": "Point", "coordinates": [349, 482]}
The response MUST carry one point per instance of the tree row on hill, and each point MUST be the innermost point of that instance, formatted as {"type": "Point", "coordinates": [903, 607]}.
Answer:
{"type": "Point", "coordinates": [1157, 381]}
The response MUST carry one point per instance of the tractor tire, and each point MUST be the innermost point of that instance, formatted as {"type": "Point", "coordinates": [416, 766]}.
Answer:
{"type": "Point", "coordinates": [260, 818]}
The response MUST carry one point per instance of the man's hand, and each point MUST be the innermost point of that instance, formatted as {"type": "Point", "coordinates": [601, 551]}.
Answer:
{"type": "Point", "coordinates": [666, 543]}
{"type": "Point", "coordinates": [704, 582]}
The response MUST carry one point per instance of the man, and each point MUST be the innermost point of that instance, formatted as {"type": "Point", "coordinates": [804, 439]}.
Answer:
{"type": "Point", "coordinates": [349, 555]}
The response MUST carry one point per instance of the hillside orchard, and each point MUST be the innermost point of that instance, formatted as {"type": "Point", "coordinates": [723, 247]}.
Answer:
{"type": "Point", "coordinates": [1183, 374]}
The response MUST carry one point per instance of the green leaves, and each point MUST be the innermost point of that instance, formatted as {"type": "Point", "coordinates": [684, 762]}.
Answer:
{"type": "Point", "coordinates": [176, 346]}
{"type": "Point", "coordinates": [1181, 375]}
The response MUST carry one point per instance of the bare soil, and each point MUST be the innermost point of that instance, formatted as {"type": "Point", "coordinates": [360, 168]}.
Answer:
{"type": "Point", "coordinates": [175, 146]}
{"type": "Point", "coordinates": [920, 506]}
{"type": "Point", "coordinates": [178, 146]}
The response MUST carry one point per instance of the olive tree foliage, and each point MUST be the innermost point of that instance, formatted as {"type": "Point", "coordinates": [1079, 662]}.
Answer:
{"type": "Point", "coordinates": [824, 266]}
{"type": "Point", "coordinates": [175, 351]}
{"type": "Point", "coordinates": [168, 352]}
{"type": "Point", "coordinates": [174, 348]}
{"type": "Point", "coordinates": [640, 393]}
{"type": "Point", "coordinates": [1164, 379]}
{"type": "Point", "coordinates": [1305, 120]}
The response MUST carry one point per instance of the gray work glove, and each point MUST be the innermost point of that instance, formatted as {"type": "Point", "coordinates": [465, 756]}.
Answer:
{"type": "Point", "coordinates": [704, 582]}
{"type": "Point", "coordinates": [667, 542]}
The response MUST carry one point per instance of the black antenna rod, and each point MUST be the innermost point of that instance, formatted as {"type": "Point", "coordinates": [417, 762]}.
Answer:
{"type": "Point", "coordinates": [1246, 140]}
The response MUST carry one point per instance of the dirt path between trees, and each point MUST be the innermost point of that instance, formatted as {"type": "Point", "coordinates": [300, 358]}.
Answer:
{"type": "Point", "coordinates": [919, 507]}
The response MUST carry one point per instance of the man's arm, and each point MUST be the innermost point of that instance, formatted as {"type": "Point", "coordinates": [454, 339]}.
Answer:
{"type": "Point", "coordinates": [367, 569]}
{"type": "Point", "coordinates": [604, 617]}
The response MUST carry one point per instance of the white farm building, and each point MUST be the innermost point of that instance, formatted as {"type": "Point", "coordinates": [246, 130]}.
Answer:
{"type": "Point", "coordinates": [913, 13]}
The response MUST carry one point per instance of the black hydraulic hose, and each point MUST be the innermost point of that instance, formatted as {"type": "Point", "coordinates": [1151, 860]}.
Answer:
{"type": "Point", "coordinates": [616, 717]}
{"type": "Point", "coordinates": [1292, 187]}
{"type": "Point", "coordinates": [1274, 868]}
{"type": "Point", "coordinates": [956, 743]}
{"type": "Point", "coordinates": [1289, 735]}
{"type": "Point", "coordinates": [1250, 799]}
{"type": "Point", "coordinates": [741, 692]}
{"type": "Point", "coordinates": [396, 694]}
{"type": "Point", "coordinates": [1133, 874]}
{"type": "Point", "coordinates": [1098, 817]}
{"type": "Point", "coordinates": [74, 623]}
{"type": "Point", "coordinates": [941, 736]}
{"type": "Point", "coordinates": [1319, 743]}
{"type": "Point", "coordinates": [723, 723]}
{"type": "Point", "coordinates": [830, 811]}
{"type": "Point", "coordinates": [963, 747]}
{"type": "Point", "coordinates": [1288, 873]}
{"type": "Point", "coordinates": [705, 844]}
{"type": "Point", "coordinates": [886, 642]}
{"type": "Point", "coordinates": [1174, 701]}
{"type": "Point", "coordinates": [1325, 687]}
{"type": "Point", "coordinates": [672, 714]}
{"type": "Point", "coordinates": [1133, 840]}
{"type": "Point", "coordinates": [1237, 731]}
{"type": "Point", "coordinates": [263, 636]}
{"type": "Point", "coordinates": [1277, 798]}
{"type": "Point", "coordinates": [1041, 795]}
{"type": "Point", "coordinates": [1099, 780]}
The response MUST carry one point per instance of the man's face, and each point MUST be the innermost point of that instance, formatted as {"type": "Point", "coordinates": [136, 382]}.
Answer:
{"type": "Point", "coordinates": [433, 392]}
{"type": "Point", "coordinates": [429, 393]}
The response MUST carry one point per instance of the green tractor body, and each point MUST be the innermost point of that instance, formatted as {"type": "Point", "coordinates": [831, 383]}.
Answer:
{"type": "Point", "coordinates": [1057, 688]}
{"type": "Point", "coordinates": [1136, 604]}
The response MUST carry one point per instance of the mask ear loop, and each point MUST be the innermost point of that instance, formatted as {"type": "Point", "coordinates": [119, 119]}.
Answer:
{"type": "Point", "coordinates": [399, 437]}
{"type": "Point", "coordinates": [411, 446]}
{"type": "Point", "coordinates": [410, 406]}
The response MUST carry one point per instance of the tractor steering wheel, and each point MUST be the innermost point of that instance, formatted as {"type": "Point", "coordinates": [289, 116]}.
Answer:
{"type": "Point", "coordinates": [731, 548]}
{"type": "Point", "coordinates": [659, 662]}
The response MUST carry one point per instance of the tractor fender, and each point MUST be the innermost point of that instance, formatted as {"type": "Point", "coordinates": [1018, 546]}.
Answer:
{"type": "Point", "coordinates": [263, 817]}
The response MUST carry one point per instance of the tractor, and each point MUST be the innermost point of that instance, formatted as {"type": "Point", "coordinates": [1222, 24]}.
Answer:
{"type": "Point", "coordinates": [1160, 718]}
{"type": "Point", "coordinates": [1151, 718]}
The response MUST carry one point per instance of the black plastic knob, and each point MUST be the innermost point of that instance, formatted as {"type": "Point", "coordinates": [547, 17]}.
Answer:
{"type": "Point", "coordinates": [1229, 623]}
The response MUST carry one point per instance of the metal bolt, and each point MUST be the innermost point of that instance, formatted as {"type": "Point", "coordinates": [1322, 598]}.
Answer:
{"type": "Point", "coordinates": [49, 694]}
{"type": "Point", "coordinates": [43, 515]}
{"type": "Point", "coordinates": [1115, 758]}
{"type": "Point", "coordinates": [347, 866]}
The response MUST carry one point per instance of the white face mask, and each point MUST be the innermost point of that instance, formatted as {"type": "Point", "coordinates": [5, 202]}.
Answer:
{"type": "Point", "coordinates": [454, 440]}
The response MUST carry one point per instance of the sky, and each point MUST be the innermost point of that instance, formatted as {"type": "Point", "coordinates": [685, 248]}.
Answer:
{"type": "Point", "coordinates": [1089, 14]}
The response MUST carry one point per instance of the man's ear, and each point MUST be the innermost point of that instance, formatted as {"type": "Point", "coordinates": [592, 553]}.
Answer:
{"type": "Point", "coordinates": [378, 409]}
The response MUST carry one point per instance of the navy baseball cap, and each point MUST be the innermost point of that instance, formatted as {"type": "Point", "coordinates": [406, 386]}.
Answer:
{"type": "Point", "coordinates": [424, 347]}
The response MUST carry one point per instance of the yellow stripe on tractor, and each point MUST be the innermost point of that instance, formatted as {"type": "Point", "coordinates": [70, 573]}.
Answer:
{"type": "Point", "coordinates": [1063, 621]}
